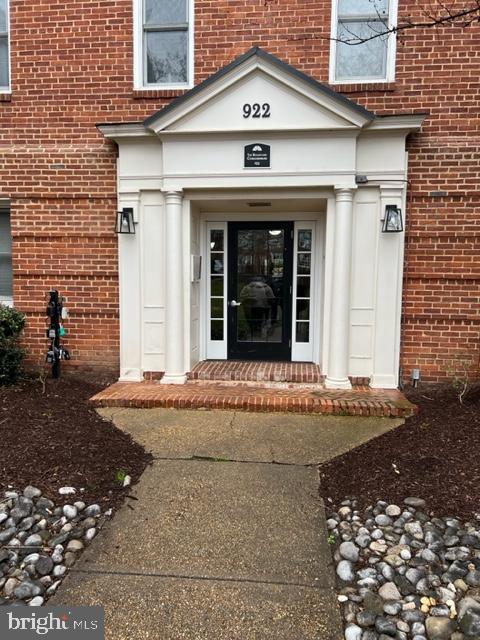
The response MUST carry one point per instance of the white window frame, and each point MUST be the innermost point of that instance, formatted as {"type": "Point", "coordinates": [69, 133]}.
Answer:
{"type": "Point", "coordinates": [139, 73]}
{"type": "Point", "coordinates": [7, 88]}
{"type": "Point", "coordinates": [304, 351]}
{"type": "Point", "coordinates": [216, 349]}
{"type": "Point", "coordinates": [391, 49]}
{"type": "Point", "coordinates": [5, 210]}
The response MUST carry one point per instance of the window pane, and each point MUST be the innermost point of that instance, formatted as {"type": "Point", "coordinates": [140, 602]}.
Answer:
{"type": "Point", "coordinates": [216, 286]}
{"type": "Point", "coordinates": [362, 7]}
{"type": "Point", "coordinates": [216, 263]}
{"type": "Point", "coordinates": [5, 232]}
{"type": "Point", "coordinates": [216, 240]}
{"type": "Point", "coordinates": [365, 60]}
{"type": "Point", "coordinates": [303, 309]}
{"type": "Point", "coordinates": [3, 15]}
{"type": "Point", "coordinates": [302, 332]}
{"type": "Point", "coordinates": [305, 240]}
{"type": "Point", "coordinates": [216, 330]}
{"type": "Point", "coordinates": [165, 11]}
{"type": "Point", "coordinates": [166, 56]}
{"type": "Point", "coordinates": [216, 308]}
{"type": "Point", "coordinates": [303, 263]}
{"type": "Point", "coordinates": [303, 287]}
{"type": "Point", "coordinates": [4, 62]}
{"type": "Point", "coordinates": [6, 284]}
{"type": "Point", "coordinates": [245, 241]}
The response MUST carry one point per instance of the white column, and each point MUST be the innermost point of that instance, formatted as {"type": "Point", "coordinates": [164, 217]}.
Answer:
{"type": "Point", "coordinates": [174, 292]}
{"type": "Point", "coordinates": [388, 306]}
{"type": "Point", "coordinates": [338, 348]}
{"type": "Point", "coordinates": [130, 283]}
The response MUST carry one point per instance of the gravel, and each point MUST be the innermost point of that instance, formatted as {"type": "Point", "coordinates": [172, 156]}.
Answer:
{"type": "Point", "coordinates": [39, 542]}
{"type": "Point", "coordinates": [404, 574]}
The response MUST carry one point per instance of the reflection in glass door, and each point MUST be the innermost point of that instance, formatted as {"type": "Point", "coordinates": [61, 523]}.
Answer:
{"type": "Point", "coordinates": [259, 290]}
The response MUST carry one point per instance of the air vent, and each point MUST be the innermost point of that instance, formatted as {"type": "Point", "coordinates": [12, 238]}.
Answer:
{"type": "Point", "coordinates": [259, 204]}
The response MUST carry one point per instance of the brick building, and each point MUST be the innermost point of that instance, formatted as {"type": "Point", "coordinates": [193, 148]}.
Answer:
{"type": "Point", "coordinates": [258, 158]}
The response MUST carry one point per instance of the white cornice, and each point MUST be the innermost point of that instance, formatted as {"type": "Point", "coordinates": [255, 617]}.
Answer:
{"type": "Point", "coordinates": [409, 122]}
{"type": "Point", "coordinates": [124, 130]}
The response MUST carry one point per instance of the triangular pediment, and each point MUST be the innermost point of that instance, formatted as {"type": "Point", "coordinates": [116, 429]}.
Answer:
{"type": "Point", "coordinates": [259, 92]}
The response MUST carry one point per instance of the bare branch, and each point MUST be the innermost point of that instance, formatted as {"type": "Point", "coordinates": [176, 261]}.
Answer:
{"type": "Point", "coordinates": [441, 15]}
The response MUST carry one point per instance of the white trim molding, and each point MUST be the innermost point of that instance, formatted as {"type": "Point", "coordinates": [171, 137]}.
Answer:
{"type": "Point", "coordinates": [130, 291]}
{"type": "Point", "coordinates": [386, 351]}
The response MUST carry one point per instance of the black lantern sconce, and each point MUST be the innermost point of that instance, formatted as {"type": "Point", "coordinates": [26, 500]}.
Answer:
{"type": "Point", "coordinates": [393, 221]}
{"type": "Point", "coordinates": [125, 221]}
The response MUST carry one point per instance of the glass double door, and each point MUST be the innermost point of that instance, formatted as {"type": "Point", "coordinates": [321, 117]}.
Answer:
{"type": "Point", "coordinates": [259, 311]}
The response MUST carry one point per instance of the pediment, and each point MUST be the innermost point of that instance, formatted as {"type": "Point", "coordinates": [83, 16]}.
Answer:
{"type": "Point", "coordinates": [258, 92]}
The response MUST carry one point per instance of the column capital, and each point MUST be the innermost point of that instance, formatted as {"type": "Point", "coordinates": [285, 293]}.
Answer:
{"type": "Point", "coordinates": [173, 196]}
{"type": "Point", "coordinates": [391, 191]}
{"type": "Point", "coordinates": [344, 194]}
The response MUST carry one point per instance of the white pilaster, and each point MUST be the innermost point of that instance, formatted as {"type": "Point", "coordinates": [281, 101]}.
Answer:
{"type": "Point", "coordinates": [174, 298]}
{"type": "Point", "coordinates": [389, 296]}
{"type": "Point", "coordinates": [338, 348]}
{"type": "Point", "coordinates": [130, 284]}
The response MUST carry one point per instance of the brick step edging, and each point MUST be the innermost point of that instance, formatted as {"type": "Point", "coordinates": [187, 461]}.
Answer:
{"type": "Point", "coordinates": [325, 406]}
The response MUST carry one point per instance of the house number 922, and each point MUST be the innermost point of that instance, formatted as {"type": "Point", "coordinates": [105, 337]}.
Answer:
{"type": "Point", "coordinates": [256, 110]}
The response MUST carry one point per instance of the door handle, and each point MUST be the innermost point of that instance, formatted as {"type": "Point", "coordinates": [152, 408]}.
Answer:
{"type": "Point", "coordinates": [234, 303]}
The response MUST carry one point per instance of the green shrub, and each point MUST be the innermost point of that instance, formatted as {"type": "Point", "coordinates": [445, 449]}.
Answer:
{"type": "Point", "coordinates": [12, 323]}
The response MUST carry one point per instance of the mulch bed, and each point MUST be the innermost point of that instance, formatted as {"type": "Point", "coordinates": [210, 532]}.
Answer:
{"type": "Point", "coordinates": [436, 452]}
{"type": "Point", "coordinates": [51, 437]}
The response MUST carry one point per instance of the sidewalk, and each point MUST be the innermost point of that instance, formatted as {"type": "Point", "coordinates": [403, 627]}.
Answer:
{"type": "Point", "coordinates": [226, 539]}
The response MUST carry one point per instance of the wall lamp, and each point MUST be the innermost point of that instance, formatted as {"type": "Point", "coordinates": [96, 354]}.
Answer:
{"type": "Point", "coordinates": [125, 221]}
{"type": "Point", "coordinates": [393, 221]}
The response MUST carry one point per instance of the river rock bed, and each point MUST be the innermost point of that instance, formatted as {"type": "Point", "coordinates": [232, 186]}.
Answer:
{"type": "Point", "coordinates": [40, 541]}
{"type": "Point", "coordinates": [403, 574]}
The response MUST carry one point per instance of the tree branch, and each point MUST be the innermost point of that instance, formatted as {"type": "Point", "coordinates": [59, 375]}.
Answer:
{"type": "Point", "coordinates": [464, 17]}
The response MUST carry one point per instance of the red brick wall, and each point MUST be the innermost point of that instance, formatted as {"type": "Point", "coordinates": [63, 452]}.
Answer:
{"type": "Point", "coordinates": [72, 67]}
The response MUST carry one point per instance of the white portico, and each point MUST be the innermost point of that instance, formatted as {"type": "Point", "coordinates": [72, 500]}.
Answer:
{"type": "Point", "coordinates": [258, 198]}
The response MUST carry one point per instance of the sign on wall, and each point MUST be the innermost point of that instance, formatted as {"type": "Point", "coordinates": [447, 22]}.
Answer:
{"type": "Point", "coordinates": [257, 156]}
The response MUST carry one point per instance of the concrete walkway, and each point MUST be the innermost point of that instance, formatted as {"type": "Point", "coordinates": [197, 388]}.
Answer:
{"type": "Point", "coordinates": [226, 539]}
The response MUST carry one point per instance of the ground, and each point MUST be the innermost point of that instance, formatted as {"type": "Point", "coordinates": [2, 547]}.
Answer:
{"type": "Point", "coordinates": [51, 437]}
{"type": "Point", "coordinates": [224, 534]}
{"type": "Point", "coordinates": [433, 456]}
{"type": "Point", "coordinates": [55, 432]}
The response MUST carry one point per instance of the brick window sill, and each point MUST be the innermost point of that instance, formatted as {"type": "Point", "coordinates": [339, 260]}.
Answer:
{"type": "Point", "coordinates": [145, 94]}
{"type": "Point", "coordinates": [5, 97]}
{"type": "Point", "coordinates": [370, 87]}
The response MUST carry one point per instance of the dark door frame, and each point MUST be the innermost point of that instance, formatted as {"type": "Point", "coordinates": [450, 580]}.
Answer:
{"type": "Point", "coordinates": [259, 350]}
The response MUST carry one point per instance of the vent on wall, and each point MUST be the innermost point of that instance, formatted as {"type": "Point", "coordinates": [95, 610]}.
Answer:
{"type": "Point", "coordinates": [259, 204]}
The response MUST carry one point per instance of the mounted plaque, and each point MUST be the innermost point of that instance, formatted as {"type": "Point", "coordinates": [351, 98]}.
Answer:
{"type": "Point", "coordinates": [257, 156]}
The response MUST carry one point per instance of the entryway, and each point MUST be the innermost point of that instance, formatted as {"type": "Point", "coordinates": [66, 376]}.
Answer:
{"type": "Point", "coordinates": [262, 297]}
{"type": "Point", "coordinates": [260, 290]}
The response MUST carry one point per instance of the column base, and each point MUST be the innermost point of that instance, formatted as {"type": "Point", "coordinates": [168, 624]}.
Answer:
{"type": "Point", "coordinates": [337, 383]}
{"type": "Point", "coordinates": [130, 375]}
{"type": "Point", "coordinates": [383, 381]}
{"type": "Point", "coordinates": [174, 378]}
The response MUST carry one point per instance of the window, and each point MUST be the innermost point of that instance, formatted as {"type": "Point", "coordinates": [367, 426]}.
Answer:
{"type": "Point", "coordinates": [164, 47]}
{"type": "Point", "coordinates": [359, 50]}
{"type": "Point", "coordinates": [6, 283]}
{"type": "Point", "coordinates": [4, 47]}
